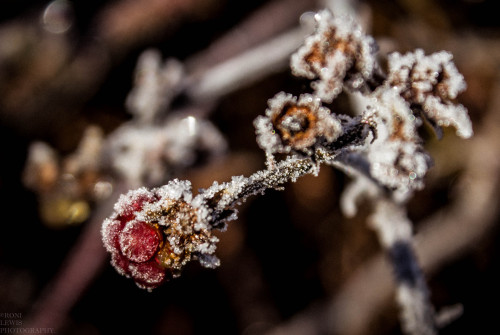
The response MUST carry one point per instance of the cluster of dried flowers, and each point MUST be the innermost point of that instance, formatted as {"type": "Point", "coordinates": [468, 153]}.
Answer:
{"type": "Point", "coordinates": [153, 233]}
{"type": "Point", "coordinates": [147, 150]}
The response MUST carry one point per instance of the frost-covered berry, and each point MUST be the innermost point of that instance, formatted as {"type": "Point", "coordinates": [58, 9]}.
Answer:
{"type": "Point", "coordinates": [153, 234]}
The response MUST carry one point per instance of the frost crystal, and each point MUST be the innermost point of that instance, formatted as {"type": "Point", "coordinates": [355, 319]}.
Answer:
{"type": "Point", "coordinates": [338, 53]}
{"type": "Point", "coordinates": [154, 233]}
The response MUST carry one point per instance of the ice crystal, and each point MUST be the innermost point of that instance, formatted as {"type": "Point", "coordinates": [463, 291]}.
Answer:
{"type": "Point", "coordinates": [356, 191]}
{"type": "Point", "coordinates": [339, 54]}
{"type": "Point", "coordinates": [390, 221]}
{"type": "Point", "coordinates": [166, 227]}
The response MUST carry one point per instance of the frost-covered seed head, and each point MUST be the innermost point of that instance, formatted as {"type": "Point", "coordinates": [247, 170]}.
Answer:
{"type": "Point", "coordinates": [432, 82]}
{"type": "Point", "coordinates": [396, 155]}
{"type": "Point", "coordinates": [337, 52]}
{"type": "Point", "coordinates": [293, 124]}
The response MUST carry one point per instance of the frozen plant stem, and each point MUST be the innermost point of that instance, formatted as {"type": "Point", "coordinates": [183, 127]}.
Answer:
{"type": "Point", "coordinates": [395, 234]}
{"type": "Point", "coordinates": [153, 234]}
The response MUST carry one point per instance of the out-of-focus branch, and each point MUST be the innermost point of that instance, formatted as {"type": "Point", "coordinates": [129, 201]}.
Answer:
{"type": "Point", "coordinates": [266, 22]}
{"type": "Point", "coordinates": [126, 23]}
{"type": "Point", "coordinates": [74, 74]}
{"type": "Point", "coordinates": [78, 271]}
{"type": "Point", "coordinates": [117, 29]}
{"type": "Point", "coordinates": [246, 68]}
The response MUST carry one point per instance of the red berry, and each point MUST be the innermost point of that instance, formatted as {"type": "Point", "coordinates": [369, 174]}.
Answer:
{"type": "Point", "coordinates": [111, 230]}
{"type": "Point", "coordinates": [120, 263]}
{"type": "Point", "coordinates": [148, 275]}
{"type": "Point", "coordinates": [139, 241]}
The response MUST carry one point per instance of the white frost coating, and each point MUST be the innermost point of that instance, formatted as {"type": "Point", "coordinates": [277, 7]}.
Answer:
{"type": "Point", "coordinates": [331, 76]}
{"type": "Point", "coordinates": [267, 139]}
{"type": "Point", "coordinates": [396, 156]}
{"type": "Point", "coordinates": [434, 83]}
{"type": "Point", "coordinates": [390, 222]}
{"type": "Point", "coordinates": [146, 154]}
{"type": "Point", "coordinates": [155, 85]}
{"type": "Point", "coordinates": [109, 232]}
{"type": "Point", "coordinates": [209, 261]}
{"type": "Point", "coordinates": [338, 49]}
{"type": "Point", "coordinates": [415, 316]}
{"type": "Point", "coordinates": [175, 190]}
{"type": "Point", "coordinates": [147, 275]}
{"type": "Point", "coordinates": [293, 123]}
{"type": "Point", "coordinates": [449, 115]}
{"type": "Point", "coordinates": [181, 219]}
{"type": "Point", "coordinates": [122, 206]}
{"type": "Point", "coordinates": [361, 187]}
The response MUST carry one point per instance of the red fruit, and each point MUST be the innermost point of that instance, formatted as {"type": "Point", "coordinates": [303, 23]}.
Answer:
{"type": "Point", "coordinates": [120, 263]}
{"type": "Point", "coordinates": [151, 234]}
{"type": "Point", "coordinates": [111, 230]}
{"type": "Point", "coordinates": [148, 275]}
{"type": "Point", "coordinates": [139, 241]}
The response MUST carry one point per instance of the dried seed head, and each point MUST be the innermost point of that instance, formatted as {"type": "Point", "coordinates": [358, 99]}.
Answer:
{"type": "Point", "coordinates": [337, 53]}
{"type": "Point", "coordinates": [397, 158]}
{"type": "Point", "coordinates": [293, 124]}
{"type": "Point", "coordinates": [432, 82]}
{"type": "Point", "coordinates": [153, 234]}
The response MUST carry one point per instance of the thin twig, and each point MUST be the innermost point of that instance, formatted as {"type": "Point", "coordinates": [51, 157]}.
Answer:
{"type": "Point", "coordinates": [240, 71]}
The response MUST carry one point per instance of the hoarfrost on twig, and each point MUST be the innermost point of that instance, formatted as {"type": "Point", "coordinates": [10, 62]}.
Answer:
{"type": "Point", "coordinates": [381, 148]}
{"type": "Point", "coordinates": [155, 84]}
{"type": "Point", "coordinates": [147, 154]}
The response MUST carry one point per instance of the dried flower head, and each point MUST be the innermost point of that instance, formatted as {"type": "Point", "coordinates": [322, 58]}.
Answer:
{"type": "Point", "coordinates": [293, 124]}
{"type": "Point", "coordinates": [155, 84]}
{"type": "Point", "coordinates": [432, 83]}
{"type": "Point", "coordinates": [147, 154]}
{"type": "Point", "coordinates": [153, 234]}
{"type": "Point", "coordinates": [338, 53]}
{"type": "Point", "coordinates": [396, 156]}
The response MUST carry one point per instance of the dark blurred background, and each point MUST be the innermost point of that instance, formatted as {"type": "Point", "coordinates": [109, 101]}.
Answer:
{"type": "Point", "coordinates": [291, 257]}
